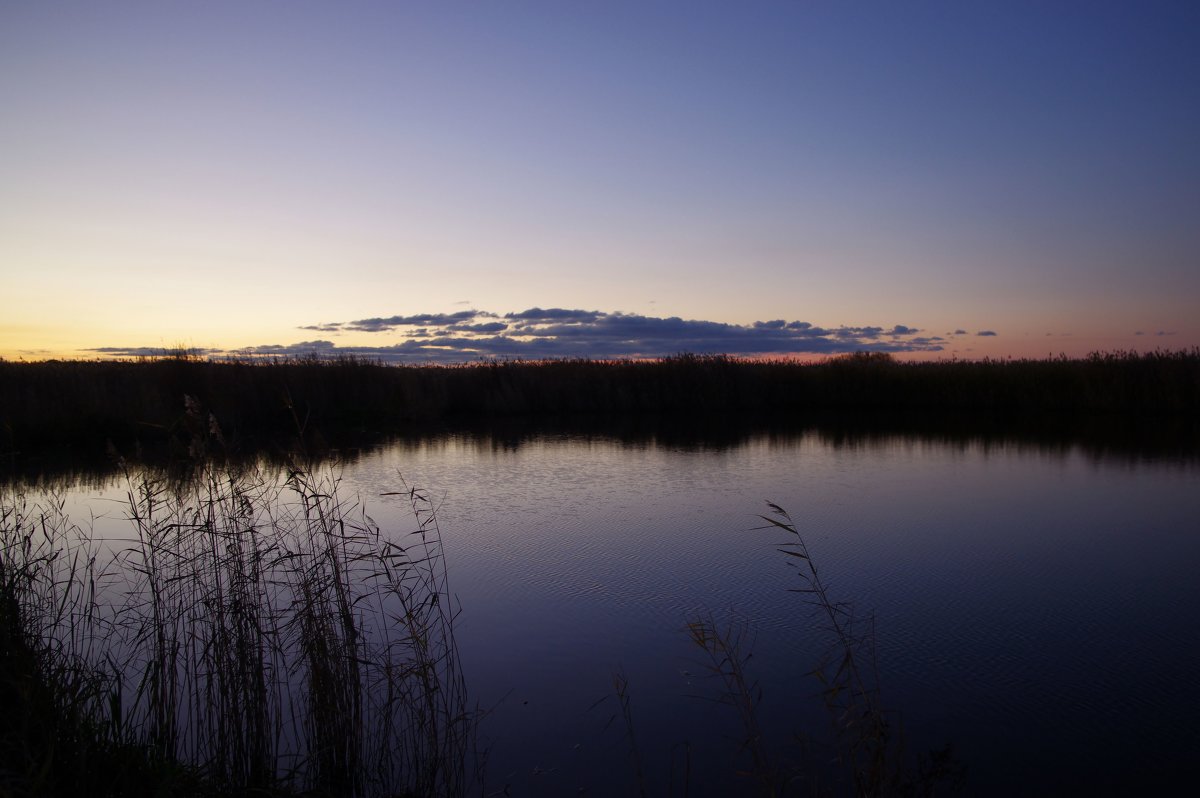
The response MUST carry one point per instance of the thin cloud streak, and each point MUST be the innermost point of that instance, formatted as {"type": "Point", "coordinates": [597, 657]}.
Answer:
{"type": "Point", "coordinates": [541, 333]}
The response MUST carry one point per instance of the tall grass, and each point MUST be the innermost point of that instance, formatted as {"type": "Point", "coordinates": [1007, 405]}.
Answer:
{"type": "Point", "coordinates": [867, 752]}
{"type": "Point", "coordinates": [869, 749]}
{"type": "Point", "coordinates": [728, 660]}
{"type": "Point", "coordinates": [254, 632]}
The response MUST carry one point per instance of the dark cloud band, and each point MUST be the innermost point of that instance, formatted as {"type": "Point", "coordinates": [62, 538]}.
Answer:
{"type": "Point", "coordinates": [540, 333]}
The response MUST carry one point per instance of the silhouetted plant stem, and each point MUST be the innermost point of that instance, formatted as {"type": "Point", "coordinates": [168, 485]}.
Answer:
{"type": "Point", "coordinates": [274, 638]}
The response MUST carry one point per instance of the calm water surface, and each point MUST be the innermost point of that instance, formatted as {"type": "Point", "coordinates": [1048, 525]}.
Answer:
{"type": "Point", "coordinates": [1038, 609]}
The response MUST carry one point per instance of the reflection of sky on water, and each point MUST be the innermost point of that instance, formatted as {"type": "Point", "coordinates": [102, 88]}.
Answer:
{"type": "Point", "coordinates": [1014, 590]}
{"type": "Point", "coordinates": [1026, 602]}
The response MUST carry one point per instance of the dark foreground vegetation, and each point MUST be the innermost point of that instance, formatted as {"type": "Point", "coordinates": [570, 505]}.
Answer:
{"type": "Point", "coordinates": [250, 634]}
{"type": "Point", "coordinates": [83, 406]}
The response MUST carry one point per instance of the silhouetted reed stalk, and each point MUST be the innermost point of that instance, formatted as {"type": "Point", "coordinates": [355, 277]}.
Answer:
{"type": "Point", "coordinates": [868, 747]}
{"type": "Point", "coordinates": [625, 703]}
{"type": "Point", "coordinates": [868, 750]}
{"type": "Point", "coordinates": [728, 656]}
{"type": "Point", "coordinates": [254, 633]}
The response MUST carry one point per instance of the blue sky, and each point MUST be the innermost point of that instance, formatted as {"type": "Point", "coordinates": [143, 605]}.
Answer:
{"type": "Point", "coordinates": [229, 176]}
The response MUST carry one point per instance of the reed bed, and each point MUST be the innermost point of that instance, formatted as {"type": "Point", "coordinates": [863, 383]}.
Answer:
{"type": "Point", "coordinates": [82, 405]}
{"type": "Point", "coordinates": [255, 632]}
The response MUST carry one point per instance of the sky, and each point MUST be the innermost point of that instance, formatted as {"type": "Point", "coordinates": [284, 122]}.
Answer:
{"type": "Point", "coordinates": [449, 181]}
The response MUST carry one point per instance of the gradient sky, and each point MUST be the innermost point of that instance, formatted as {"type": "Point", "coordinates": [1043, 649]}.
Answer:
{"type": "Point", "coordinates": [277, 176]}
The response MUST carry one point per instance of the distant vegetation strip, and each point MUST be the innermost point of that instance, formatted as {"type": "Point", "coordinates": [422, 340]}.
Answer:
{"type": "Point", "coordinates": [85, 403]}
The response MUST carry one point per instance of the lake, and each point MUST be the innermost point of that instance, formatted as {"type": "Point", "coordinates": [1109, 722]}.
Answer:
{"type": "Point", "coordinates": [1034, 605]}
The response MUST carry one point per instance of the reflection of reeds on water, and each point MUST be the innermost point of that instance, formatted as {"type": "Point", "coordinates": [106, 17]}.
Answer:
{"type": "Point", "coordinates": [252, 633]}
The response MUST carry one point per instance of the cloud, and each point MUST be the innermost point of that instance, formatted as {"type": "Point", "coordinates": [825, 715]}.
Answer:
{"type": "Point", "coordinates": [488, 327]}
{"type": "Point", "coordinates": [423, 319]}
{"type": "Point", "coordinates": [986, 333]}
{"type": "Point", "coordinates": [539, 333]}
{"type": "Point", "coordinates": [537, 315]}
{"type": "Point", "coordinates": [302, 348]}
{"type": "Point", "coordinates": [150, 351]}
